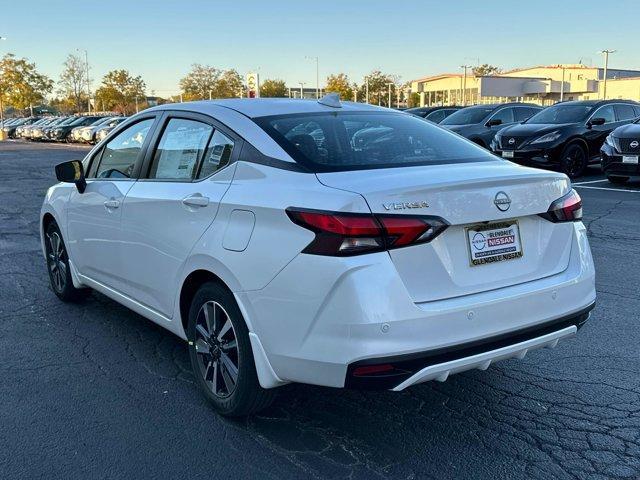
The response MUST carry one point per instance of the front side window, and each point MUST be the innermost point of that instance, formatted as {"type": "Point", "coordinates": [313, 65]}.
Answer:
{"type": "Point", "coordinates": [182, 144]}
{"type": "Point", "coordinates": [605, 112]}
{"type": "Point", "coordinates": [120, 154]}
{"type": "Point", "coordinates": [218, 154]}
{"type": "Point", "coordinates": [436, 116]}
{"type": "Point", "coordinates": [505, 115]}
{"type": "Point", "coordinates": [350, 141]}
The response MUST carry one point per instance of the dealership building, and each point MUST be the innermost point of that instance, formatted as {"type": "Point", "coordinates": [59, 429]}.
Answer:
{"type": "Point", "coordinates": [543, 85]}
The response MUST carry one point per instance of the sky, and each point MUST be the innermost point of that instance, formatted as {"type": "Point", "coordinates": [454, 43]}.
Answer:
{"type": "Point", "coordinates": [161, 39]}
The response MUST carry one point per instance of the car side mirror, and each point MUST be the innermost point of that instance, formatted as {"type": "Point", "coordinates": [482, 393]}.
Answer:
{"type": "Point", "coordinates": [596, 121]}
{"type": "Point", "coordinates": [494, 122]}
{"type": "Point", "coordinates": [72, 172]}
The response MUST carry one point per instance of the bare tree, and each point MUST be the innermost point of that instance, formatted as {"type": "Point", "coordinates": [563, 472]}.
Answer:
{"type": "Point", "coordinates": [73, 80]}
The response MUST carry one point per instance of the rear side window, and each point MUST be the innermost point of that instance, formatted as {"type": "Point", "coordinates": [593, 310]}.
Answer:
{"type": "Point", "coordinates": [181, 146]}
{"type": "Point", "coordinates": [625, 112]}
{"type": "Point", "coordinates": [522, 113]}
{"type": "Point", "coordinates": [120, 154]}
{"type": "Point", "coordinates": [334, 141]}
{"type": "Point", "coordinates": [218, 154]}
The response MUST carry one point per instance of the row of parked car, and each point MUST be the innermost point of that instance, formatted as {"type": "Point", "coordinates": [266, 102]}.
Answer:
{"type": "Point", "coordinates": [568, 136]}
{"type": "Point", "coordinates": [75, 128]}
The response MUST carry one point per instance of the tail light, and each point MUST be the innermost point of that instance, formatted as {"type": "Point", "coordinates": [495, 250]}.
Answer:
{"type": "Point", "coordinates": [565, 209]}
{"type": "Point", "coordinates": [343, 234]}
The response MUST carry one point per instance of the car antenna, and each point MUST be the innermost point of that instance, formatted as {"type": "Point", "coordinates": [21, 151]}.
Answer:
{"type": "Point", "coordinates": [331, 100]}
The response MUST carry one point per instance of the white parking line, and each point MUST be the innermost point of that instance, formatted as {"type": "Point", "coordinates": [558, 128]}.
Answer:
{"type": "Point", "coordinates": [592, 181]}
{"type": "Point", "coordinates": [609, 189]}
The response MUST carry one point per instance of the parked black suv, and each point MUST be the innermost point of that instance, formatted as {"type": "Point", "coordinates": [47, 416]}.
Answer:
{"type": "Point", "coordinates": [620, 153]}
{"type": "Point", "coordinates": [480, 123]}
{"type": "Point", "coordinates": [567, 135]}
{"type": "Point", "coordinates": [433, 114]}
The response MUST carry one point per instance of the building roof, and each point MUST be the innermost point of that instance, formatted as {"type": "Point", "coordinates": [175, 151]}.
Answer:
{"type": "Point", "coordinates": [438, 77]}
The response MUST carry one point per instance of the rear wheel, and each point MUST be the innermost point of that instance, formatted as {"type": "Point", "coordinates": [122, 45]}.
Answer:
{"type": "Point", "coordinates": [573, 160]}
{"type": "Point", "coordinates": [58, 267]}
{"type": "Point", "coordinates": [617, 180]}
{"type": "Point", "coordinates": [221, 354]}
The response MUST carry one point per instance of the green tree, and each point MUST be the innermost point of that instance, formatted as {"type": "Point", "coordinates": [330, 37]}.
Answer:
{"type": "Point", "coordinates": [272, 88]}
{"type": "Point", "coordinates": [72, 83]}
{"type": "Point", "coordinates": [378, 88]}
{"type": "Point", "coordinates": [341, 85]}
{"type": "Point", "coordinates": [120, 91]}
{"type": "Point", "coordinates": [21, 86]}
{"type": "Point", "coordinates": [228, 85]}
{"type": "Point", "coordinates": [485, 70]}
{"type": "Point", "coordinates": [200, 82]}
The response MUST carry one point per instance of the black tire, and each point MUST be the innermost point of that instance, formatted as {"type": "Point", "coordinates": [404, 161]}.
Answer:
{"type": "Point", "coordinates": [617, 180]}
{"type": "Point", "coordinates": [573, 160]}
{"type": "Point", "coordinates": [58, 267]}
{"type": "Point", "coordinates": [211, 348]}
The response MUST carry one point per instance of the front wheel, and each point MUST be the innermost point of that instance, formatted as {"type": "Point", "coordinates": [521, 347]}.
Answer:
{"type": "Point", "coordinates": [221, 354]}
{"type": "Point", "coordinates": [58, 267]}
{"type": "Point", "coordinates": [574, 160]}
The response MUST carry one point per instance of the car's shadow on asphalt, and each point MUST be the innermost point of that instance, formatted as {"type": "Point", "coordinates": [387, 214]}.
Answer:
{"type": "Point", "coordinates": [334, 429]}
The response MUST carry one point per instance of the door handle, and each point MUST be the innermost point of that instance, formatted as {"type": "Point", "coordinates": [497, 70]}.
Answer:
{"type": "Point", "coordinates": [111, 204]}
{"type": "Point", "coordinates": [196, 200]}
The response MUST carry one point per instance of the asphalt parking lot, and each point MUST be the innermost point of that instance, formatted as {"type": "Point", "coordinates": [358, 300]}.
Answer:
{"type": "Point", "coordinates": [95, 391]}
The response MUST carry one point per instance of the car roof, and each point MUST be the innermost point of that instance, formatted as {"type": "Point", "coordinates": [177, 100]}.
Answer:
{"type": "Point", "coordinates": [596, 102]}
{"type": "Point", "coordinates": [263, 107]}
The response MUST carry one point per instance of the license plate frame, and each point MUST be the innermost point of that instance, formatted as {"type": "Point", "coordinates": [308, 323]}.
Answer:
{"type": "Point", "coordinates": [508, 153]}
{"type": "Point", "coordinates": [478, 237]}
{"type": "Point", "coordinates": [630, 159]}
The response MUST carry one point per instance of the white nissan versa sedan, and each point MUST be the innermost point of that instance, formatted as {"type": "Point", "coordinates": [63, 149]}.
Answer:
{"type": "Point", "coordinates": [329, 243]}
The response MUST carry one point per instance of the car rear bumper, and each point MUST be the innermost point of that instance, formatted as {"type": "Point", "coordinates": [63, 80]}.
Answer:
{"type": "Point", "coordinates": [318, 328]}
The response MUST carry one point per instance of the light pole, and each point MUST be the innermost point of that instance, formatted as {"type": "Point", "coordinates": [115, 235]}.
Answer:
{"type": "Point", "coordinates": [366, 89]}
{"type": "Point", "coordinates": [1, 107]}
{"type": "Point", "coordinates": [86, 64]}
{"type": "Point", "coordinates": [464, 84]}
{"type": "Point", "coordinates": [562, 85]}
{"type": "Point", "coordinates": [606, 66]}
{"type": "Point", "coordinates": [301, 90]}
{"type": "Point", "coordinates": [317, 74]}
{"type": "Point", "coordinates": [389, 101]}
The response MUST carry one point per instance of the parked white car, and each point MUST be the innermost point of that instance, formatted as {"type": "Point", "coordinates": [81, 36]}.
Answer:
{"type": "Point", "coordinates": [283, 251]}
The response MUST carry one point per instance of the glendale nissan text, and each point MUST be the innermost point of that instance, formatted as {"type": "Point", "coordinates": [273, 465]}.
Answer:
{"type": "Point", "coordinates": [335, 244]}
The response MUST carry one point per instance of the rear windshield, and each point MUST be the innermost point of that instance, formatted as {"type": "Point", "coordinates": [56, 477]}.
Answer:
{"type": "Point", "coordinates": [467, 116]}
{"type": "Point", "coordinates": [352, 141]}
{"type": "Point", "coordinates": [559, 114]}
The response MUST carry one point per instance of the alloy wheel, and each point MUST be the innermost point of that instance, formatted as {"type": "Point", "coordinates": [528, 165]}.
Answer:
{"type": "Point", "coordinates": [216, 348]}
{"type": "Point", "coordinates": [56, 260]}
{"type": "Point", "coordinates": [574, 161]}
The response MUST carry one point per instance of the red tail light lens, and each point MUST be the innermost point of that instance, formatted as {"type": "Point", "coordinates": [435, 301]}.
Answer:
{"type": "Point", "coordinates": [565, 209]}
{"type": "Point", "coordinates": [340, 234]}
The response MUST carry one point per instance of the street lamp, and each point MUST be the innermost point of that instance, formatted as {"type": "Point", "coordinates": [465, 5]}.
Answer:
{"type": "Point", "coordinates": [366, 79]}
{"type": "Point", "coordinates": [464, 84]}
{"type": "Point", "coordinates": [606, 66]}
{"type": "Point", "coordinates": [389, 100]}
{"type": "Point", "coordinates": [86, 64]}
{"type": "Point", "coordinates": [317, 75]}
{"type": "Point", "coordinates": [302, 84]}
